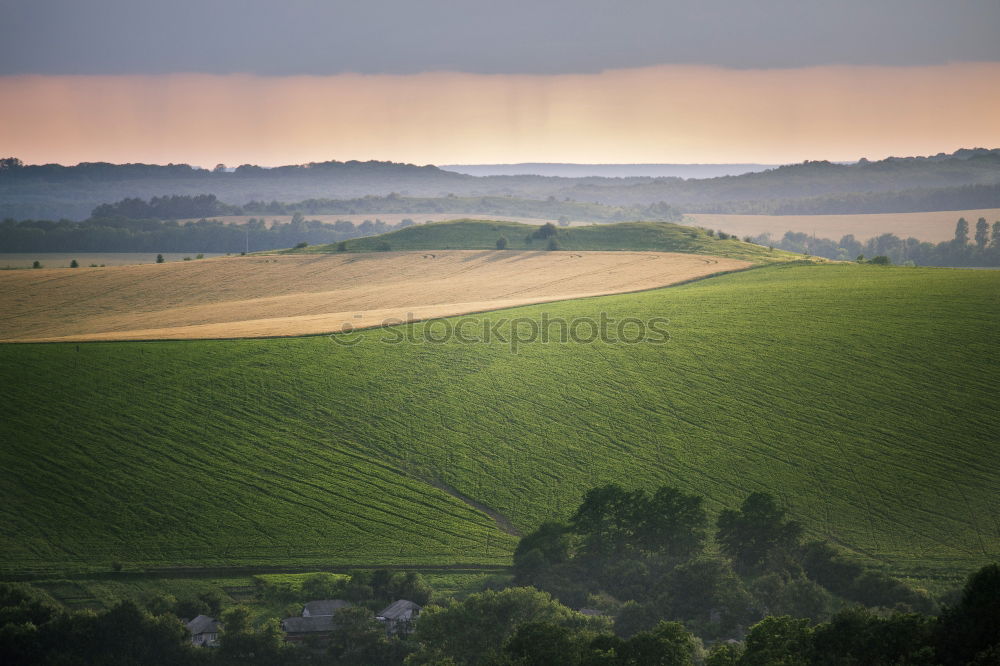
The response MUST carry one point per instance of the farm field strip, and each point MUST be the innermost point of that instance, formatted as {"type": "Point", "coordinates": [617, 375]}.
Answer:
{"type": "Point", "coordinates": [933, 227]}
{"type": "Point", "coordinates": [863, 397]}
{"type": "Point", "coordinates": [14, 260]}
{"type": "Point", "coordinates": [265, 296]}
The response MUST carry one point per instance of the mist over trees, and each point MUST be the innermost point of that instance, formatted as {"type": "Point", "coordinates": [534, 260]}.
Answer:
{"type": "Point", "coordinates": [159, 225]}
{"type": "Point", "coordinates": [964, 179]}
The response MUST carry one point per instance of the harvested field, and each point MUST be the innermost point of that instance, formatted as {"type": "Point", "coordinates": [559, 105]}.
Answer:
{"type": "Point", "coordinates": [262, 296]}
{"type": "Point", "coordinates": [932, 227]}
{"type": "Point", "coordinates": [14, 260]}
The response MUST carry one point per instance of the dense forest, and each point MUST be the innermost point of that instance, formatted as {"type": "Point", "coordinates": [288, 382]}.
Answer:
{"type": "Point", "coordinates": [635, 565]}
{"type": "Point", "coordinates": [977, 245]}
{"type": "Point", "coordinates": [942, 182]}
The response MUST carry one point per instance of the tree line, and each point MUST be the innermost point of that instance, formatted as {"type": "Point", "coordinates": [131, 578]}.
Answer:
{"type": "Point", "coordinates": [977, 245]}
{"type": "Point", "coordinates": [184, 223]}
{"type": "Point", "coordinates": [635, 562]}
{"type": "Point", "coordinates": [179, 207]}
{"type": "Point", "coordinates": [204, 235]}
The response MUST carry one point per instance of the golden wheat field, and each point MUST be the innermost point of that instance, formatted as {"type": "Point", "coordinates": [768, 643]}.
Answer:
{"type": "Point", "coordinates": [282, 295]}
{"type": "Point", "coordinates": [932, 227]}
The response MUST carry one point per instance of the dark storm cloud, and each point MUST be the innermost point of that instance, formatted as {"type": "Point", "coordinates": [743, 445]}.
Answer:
{"type": "Point", "coordinates": [512, 36]}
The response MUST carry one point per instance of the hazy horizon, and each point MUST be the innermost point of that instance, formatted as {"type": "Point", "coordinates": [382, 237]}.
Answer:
{"type": "Point", "coordinates": [716, 82]}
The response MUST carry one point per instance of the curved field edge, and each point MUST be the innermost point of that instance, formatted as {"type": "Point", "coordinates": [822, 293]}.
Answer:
{"type": "Point", "coordinates": [253, 297]}
{"type": "Point", "coordinates": [864, 397]}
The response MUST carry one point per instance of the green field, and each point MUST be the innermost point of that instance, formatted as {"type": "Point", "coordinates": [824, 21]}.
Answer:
{"type": "Point", "coordinates": [865, 397]}
{"type": "Point", "coordinates": [483, 235]}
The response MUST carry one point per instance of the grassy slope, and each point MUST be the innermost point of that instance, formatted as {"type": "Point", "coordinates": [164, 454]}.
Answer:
{"type": "Point", "coordinates": [865, 397]}
{"type": "Point", "coordinates": [483, 235]}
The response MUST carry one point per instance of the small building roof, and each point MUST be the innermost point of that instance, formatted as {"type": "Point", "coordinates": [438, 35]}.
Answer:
{"type": "Point", "coordinates": [307, 625]}
{"type": "Point", "coordinates": [592, 612]}
{"type": "Point", "coordinates": [324, 607]}
{"type": "Point", "coordinates": [399, 610]}
{"type": "Point", "coordinates": [203, 624]}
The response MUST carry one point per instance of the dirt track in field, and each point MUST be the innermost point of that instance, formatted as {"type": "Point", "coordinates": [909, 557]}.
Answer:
{"type": "Point", "coordinates": [284, 295]}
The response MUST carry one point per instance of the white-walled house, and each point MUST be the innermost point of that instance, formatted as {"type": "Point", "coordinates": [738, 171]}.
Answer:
{"type": "Point", "coordinates": [204, 631]}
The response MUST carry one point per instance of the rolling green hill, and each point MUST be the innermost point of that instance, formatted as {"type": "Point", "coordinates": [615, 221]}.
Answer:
{"type": "Point", "coordinates": [864, 397]}
{"type": "Point", "coordinates": [483, 235]}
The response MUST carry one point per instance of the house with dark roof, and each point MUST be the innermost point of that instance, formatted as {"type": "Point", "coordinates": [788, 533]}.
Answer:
{"type": "Point", "coordinates": [298, 629]}
{"type": "Point", "coordinates": [324, 607]}
{"type": "Point", "coordinates": [399, 616]}
{"type": "Point", "coordinates": [316, 620]}
{"type": "Point", "coordinates": [204, 631]}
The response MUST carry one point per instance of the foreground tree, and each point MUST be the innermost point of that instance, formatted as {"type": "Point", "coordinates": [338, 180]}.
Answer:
{"type": "Point", "coordinates": [759, 529]}
{"type": "Point", "coordinates": [607, 519]}
{"type": "Point", "coordinates": [549, 544]}
{"type": "Point", "coordinates": [971, 629]}
{"type": "Point", "coordinates": [667, 644]}
{"type": "Point", "coordinates": [672, 523]}
{"type": "Point", "coordinates": [778, 640]}
{"type": "Point", "coordinates": [358, 638]}
{"type": "Point", "coordinates": [707, 596]}
{"type": "Point", "coordinates": [240, 643]}
{"type": "Point", "coordinates": [544, 643]}
{"type": "Point", "coordinates": [475, 631]}
{"type": "Point", "coordinates": [858, 636]}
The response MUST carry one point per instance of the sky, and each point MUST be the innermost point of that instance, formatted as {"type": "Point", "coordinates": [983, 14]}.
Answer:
{"type": "Point", "coordinates": [467, 81]}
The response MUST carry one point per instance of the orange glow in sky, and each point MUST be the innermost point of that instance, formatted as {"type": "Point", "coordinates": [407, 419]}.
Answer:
{"type": "Point", "coordinates": [663, 114]}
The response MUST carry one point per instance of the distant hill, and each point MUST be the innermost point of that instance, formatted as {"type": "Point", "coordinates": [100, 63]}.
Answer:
{"type": "Point", "coordinates": [800, 188]}
{"type": "Point", "coordinates": [483, 235]}
{"type": "Point", "coordinates": [565, 170]}
{"type": "Point", "coordinates": [54, 191]}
